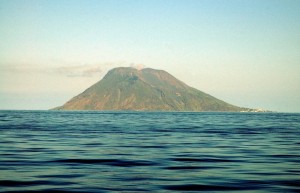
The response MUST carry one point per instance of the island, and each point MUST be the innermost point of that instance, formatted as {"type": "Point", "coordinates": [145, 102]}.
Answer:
{"type": "Point", "coordinates": [131, 89]}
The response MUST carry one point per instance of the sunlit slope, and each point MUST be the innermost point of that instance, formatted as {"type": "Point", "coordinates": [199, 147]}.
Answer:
{"type": "Point", "coordinates": [144, 90]}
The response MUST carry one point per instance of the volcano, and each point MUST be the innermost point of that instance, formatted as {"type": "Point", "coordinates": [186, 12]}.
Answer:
{"type": "Point", "coordinates": [126, 88]}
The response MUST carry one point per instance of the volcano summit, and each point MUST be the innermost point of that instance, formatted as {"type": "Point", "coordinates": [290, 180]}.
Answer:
{"type": "Point", "coordinates": [126, 88]}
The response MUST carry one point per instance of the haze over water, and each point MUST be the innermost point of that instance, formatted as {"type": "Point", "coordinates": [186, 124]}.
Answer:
{"type": "Point", "coordinates": [243, 52]}
{"type": "Point", "coordinates": [91, 151]}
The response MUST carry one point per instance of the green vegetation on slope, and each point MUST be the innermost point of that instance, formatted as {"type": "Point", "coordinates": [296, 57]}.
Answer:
{"type": "Point", "coordinates": [144, 90]}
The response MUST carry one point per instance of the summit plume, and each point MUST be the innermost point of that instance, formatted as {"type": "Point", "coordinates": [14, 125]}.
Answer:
{"type": "Point", "coordinates": [147, 89]}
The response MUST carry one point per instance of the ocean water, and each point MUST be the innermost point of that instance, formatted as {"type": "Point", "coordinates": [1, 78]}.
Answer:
{"type": "Point", "coordinates": [90, 151]}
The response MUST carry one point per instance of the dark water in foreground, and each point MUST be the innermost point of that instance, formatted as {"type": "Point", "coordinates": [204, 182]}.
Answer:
{"type": "Point", "coordinates": [149, 152]}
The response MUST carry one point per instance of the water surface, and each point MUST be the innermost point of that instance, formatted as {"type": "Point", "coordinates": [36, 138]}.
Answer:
{"type": "Point", "coordinates": [90, 151]}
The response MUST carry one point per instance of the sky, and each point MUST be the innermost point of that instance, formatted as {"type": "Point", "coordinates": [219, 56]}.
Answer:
{"type": "Point", "coordinates": [245, 52]}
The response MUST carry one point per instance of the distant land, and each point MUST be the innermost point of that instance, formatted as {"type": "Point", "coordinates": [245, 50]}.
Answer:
{"type": "Point", "coordinates": [130, 89]}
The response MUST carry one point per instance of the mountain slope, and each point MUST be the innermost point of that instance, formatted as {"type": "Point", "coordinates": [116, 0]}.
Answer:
{"type": "Point", "coordinates": [144, 90]}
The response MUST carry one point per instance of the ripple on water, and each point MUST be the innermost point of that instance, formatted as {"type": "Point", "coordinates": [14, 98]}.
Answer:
{"type": "Point", "coordinates": [110, 162]}
{"type": "Point", "coordinates": [62, 151]}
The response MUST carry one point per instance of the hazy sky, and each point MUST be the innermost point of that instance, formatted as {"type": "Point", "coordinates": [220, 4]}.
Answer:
{"type": "Point", "coordinates": [245, 52]}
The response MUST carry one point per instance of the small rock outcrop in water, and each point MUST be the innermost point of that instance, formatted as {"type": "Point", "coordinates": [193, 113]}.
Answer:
{"type": "Point", "coordinates": [145, 90]}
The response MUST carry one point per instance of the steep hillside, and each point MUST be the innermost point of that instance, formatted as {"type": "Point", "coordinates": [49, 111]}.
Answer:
{"type": "Point", "coordinates": [144, 90]}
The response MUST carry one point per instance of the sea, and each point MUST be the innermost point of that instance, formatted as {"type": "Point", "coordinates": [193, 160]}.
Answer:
{"type": "Point", "coordinates": [117, 151]}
